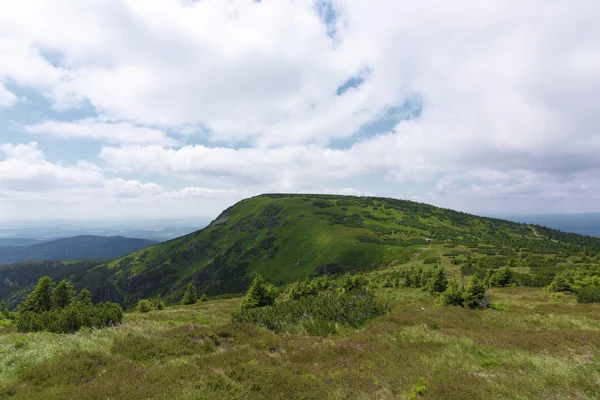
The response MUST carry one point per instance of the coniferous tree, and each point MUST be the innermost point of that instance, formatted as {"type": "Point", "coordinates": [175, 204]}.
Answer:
{"type": "Point", "coordinates": [438, 282]}
{"type": "Point", "coordinates": [453, 296]}
{"type": "Point", "coordinates": [560, 284]}
{"type": "Point", "coordinates": [190, 296]}
{"type": "Point", "coordinates": [40, 298]}
{"type": "Point", "coordinates": [4, 312]}
{"type": "Point", "coordinates": [84, 297]}
{"type": "Point", "coordinates": [62, 295]}
{"type": "Point", "coordinates": [260, 294]}
{"type": "Point", "coordinates": [158, 303]}
{"type": "Point", "coordinates": [474, 293]}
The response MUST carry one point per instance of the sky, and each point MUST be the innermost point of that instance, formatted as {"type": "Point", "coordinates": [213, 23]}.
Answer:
{"type": "Point", "coordinates": [178, 108]}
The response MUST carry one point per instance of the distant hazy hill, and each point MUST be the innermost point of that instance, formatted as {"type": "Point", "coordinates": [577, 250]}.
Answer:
{"type": "Point", "coordinates": [4, 242]}
{"type": "Point", "coordinates": [584, 224]}
{"type": "Point", "coordinates": [287, 237]}
{"type": "Point", "coordinates": [73, 248]}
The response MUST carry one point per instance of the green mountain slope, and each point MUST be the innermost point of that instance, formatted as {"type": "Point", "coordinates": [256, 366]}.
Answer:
{"type": "Point", "coordinates": [16, 280]}
{"type": "Point", "coordinates": [286, 237]}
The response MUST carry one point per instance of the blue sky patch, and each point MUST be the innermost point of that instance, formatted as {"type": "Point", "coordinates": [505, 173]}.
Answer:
{"type": "Point", "coordinates": [352, 83]}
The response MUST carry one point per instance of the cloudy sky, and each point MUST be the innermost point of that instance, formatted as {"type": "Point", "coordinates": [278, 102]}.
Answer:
{"type": "Point", "coordinates": [174, 108]}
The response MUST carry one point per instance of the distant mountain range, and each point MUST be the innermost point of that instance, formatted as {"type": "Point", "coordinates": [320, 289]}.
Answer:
{"type": "Point", "coordinates": [30, 232]}
{"type": "Point", "coordinates": [583, 224]}
{"type": "Point", "coordinates": [20, 241]}
{"type": "Point", "coordinates": [87, 247]}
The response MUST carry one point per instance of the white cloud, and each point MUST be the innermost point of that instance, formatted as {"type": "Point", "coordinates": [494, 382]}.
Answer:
{"type": "Point", "coordinates": [283, 168]}
{"type": "Point", "coordinates": [91, 128]}
{"type": "Point", "coordinates": [30, 186]}
{"type": "Point", "coordinates": [241, 69]}
{"type": "Point", "coordinates": [7, 98]}
{"type": "Point", "coordinates": [509, 106]}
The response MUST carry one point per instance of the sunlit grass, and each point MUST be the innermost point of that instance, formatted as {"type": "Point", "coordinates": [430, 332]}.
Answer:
{"type": "Point", "coordinates": [530, 350]}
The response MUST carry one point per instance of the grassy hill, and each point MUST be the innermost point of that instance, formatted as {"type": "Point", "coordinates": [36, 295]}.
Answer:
{"type": "Point", "coordinates": [286, 237]}
{"type": "Point", "coordinates": [530, 348]}
{"type": "Point", "coordinates": [529, 343]}
{"type": "Point", "coordinates": [87, 247]}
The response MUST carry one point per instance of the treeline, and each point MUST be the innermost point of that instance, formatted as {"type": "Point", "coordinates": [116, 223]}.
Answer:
{"type": "Point", "coordinates": [57, 308]}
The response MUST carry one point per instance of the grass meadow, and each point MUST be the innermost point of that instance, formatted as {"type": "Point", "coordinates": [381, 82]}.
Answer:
{"type": "Point", "coordinates": [530, 346]}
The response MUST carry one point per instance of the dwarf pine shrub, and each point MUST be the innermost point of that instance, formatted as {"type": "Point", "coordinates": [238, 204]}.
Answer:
{"type": "Point", "coordinates": [190, 296]}
{"type": "Point", "coordinates": [56, 309]}
{"type": "Point", "coordinates": [71, 318]}
{"type": "Point", "coordinates": [345, 309]}
{"type": "Point", "coordinates": [589, 294]}
{"type": "Point", "coordinates": [144, 306]}
{"type": "Point", "coordinates": [470, 297]}
{"type": "Point", "coordinates": [260, 294]}
{"type": "Point", "coordinates": [302, 288]}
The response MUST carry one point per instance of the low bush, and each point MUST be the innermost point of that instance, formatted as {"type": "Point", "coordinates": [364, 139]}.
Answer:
{"type": "Point", "coordinates": [473, 296]}
{"type": "Point", "coordinates": [190, 296]}
{"type": "Point", "coordinates": [345, 309]}
{"type": "Point", "coordinates": [260, 294]}
{"type": "Point", "coordinates": [56, 309]}
{"type": "Point", "coordinates": [589, 294]}
{"type": "Point", "coordinates": [500, 278]}
{"type": "Point", "coordinates": [71, 318]}
{"type": "Point", "coordinates": [302, 288]}
{"type": "Point", "coordinates": [144, 306]}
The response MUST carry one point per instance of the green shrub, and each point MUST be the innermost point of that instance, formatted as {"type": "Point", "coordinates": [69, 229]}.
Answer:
{"type": "Point", "coordinates": [204, 297]}
{"type": "Point", "coordinates": [190, 296]}
{"type": "Point", "coordinates": [560, 283]}
{"type": "Point", "coordinates": [62, 295]}
{"type": "Point", "coordinates": [84, 296]}
{"type": "Point", "coordinates": [71, 318]}
{"type": "Point", "coordinates": [473, 296]}
{"type": "Point", "coordinates": [438, 282]}
{"type": "Point", "coordinates": [159, 304]}
{"type": "Point", "coordinates": [500, 278]}
{"type": "Point", "coordinates": [345, 309]}
{"type": "Point", "coordinates": [453, 296]}
{"type": "Point", "coordinates": [50, 310]}
{"type": "Point", "coordinates": [4, 312]}
{"type": "Point", "coordinates": [590, 294]}
{"type": "Point", "coordinates": [302, 288]}
{"type": "Point", "coordinates": [474, 293]}
{"type": "Point", "coordinates": [40, 298]}
{"type": "Point", "coordinates": [260, 294]}
{"type": "Point", "coordinates": [144, 306]}
{"type": "Point", "coordinates": [352, 284]}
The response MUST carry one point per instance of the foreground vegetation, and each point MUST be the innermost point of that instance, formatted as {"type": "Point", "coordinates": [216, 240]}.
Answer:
{"type": "Point", "coordinates": [527, 346]}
